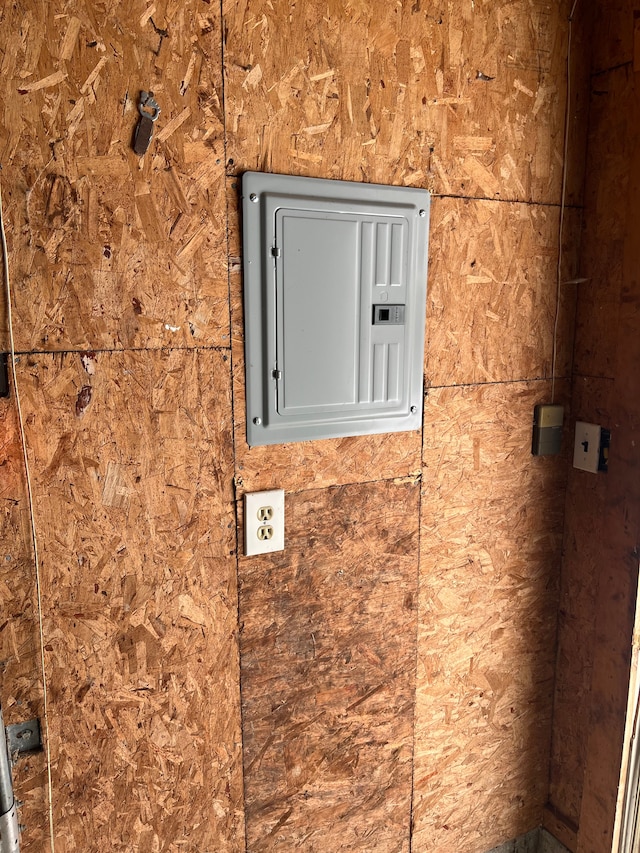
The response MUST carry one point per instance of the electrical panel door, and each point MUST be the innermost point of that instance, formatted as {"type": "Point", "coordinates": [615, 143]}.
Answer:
{"type": "Point", "coordinates": [335, 290]}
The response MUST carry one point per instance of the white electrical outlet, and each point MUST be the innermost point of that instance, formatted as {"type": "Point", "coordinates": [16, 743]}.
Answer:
{"type": "Point", "coordinates": [263, 522]}
{"type": "Point", "coordinates": [586, 448]}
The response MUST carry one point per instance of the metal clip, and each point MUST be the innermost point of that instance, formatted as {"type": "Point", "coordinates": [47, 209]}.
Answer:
{"type": "Point", "coordinates": [24, 737]}
{"type": "Point", "coordinates": [149, 112]}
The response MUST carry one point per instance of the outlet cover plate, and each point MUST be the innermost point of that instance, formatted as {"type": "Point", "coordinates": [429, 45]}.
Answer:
{"type": "Point", "coordinates": [586, 448]}
{"type": "Point", "coordinates": [263, 510]}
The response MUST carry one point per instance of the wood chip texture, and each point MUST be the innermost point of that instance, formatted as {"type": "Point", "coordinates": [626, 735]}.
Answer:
{"type": "Point", "coordinates": [328, 668]}
{"type": "Point", "coordinates": [489, 562]}
{"type": "Point", "coordinates": [134, 503]}
{"type": "Point", "coordinates": [419, 564]}
{"type": "Point", "coordinates": [109, 250]}
{"type": "Point", "coordinates": [460, 97]}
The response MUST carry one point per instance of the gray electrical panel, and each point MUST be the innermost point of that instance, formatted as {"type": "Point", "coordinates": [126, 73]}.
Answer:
{"type": "Point", "coordinates": [335, 278]}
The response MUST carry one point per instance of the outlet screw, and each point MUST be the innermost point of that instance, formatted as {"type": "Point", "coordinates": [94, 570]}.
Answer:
{"type": "Point", "coordinates": [414, 409]}
{"type": "Point", "coordinates": [422, 213]}
{"type": "Point", "coordinates": [253, 197]}
{"type": "Point", "coordinates": [257, 421]}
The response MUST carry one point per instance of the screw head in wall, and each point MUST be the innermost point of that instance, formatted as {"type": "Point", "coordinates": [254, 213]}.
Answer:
{"type": "Point", "coordinates": [253, 197]}
{"type": "Point", "coordinates": [257, 421]}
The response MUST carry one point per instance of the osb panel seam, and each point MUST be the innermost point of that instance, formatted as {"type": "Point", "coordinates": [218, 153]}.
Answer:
{"type": "Point", "coordinates": [411, 479]}
{"type": "Point", "coordinates": [470, 197]}
{"type": "Point", "coordinates": [492, 383]}
{"type": "Point", "coordinates": [109, 351]}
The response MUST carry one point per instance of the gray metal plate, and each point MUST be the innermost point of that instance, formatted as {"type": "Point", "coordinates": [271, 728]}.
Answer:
{"type": "Point", "coordinates": [24, 737]}
{"type": "Point", "coordinates": [322, 261]}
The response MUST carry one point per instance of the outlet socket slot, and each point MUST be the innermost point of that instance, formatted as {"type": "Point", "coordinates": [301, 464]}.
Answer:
{"type": "Point", "coordinates": [265, 513]}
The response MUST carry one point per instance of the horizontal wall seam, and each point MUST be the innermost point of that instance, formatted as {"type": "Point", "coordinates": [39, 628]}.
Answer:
{"type": "Point", "coordinates": [529, 202]}
{"type": "Point", "coordinates": [497, 382]}
{"type": "Point", "coordinates": [86, 350]}
{"type": "Point", "coordinates": [409, 479]}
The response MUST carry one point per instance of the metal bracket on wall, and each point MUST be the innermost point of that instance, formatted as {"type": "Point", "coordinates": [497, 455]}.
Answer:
{"type": "Point", "coordinates": [19, 739]}
{"type": "Point", "coordinates": [24, 737]}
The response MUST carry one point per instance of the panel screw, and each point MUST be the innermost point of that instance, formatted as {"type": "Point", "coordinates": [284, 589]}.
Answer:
{"type": "Point", "coordinates": [257, 421]}
{"type": "Point", "coordinates": [422, 213]}
{"type": "Point", "coordinates": [253, 197]}
{"type": "Point", "coordinates": [414, 409]}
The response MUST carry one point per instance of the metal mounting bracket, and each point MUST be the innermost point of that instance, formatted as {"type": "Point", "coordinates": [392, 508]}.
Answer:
{"type": "Point", "coordinates": [18, 739]}
{"type": "Point", "coordinates": [24, 737]}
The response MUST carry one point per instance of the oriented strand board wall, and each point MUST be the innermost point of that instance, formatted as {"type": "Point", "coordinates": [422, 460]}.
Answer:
{"type": "Point", "coordinates": [135, 507]}
{"type": "Point", "coordinates": [119, 272]}
{"type": "Point", "coordinates": [487, 618]}
{"type": "Point", "coordinates": [416, 565]}
{"type": "Point", "coordinates": [600, 565]}
{"type": "Point", "coordinates": [19, 635]}
{"type": "Point", "coordinates": [397, 93]}
{"type": "Point", "coordinates": [328, 667]}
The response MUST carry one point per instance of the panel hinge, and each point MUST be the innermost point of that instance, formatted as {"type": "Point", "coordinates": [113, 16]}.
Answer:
{"type": "Point", "coordinates": [277, 374]}
{"type": "Point", "coordinates": [275, 251]}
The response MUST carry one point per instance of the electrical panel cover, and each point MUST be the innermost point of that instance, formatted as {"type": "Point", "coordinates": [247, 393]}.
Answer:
{"type": "Point", "coordinates": [335, 276]}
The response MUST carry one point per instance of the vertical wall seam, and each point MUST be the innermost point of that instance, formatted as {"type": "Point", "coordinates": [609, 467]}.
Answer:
{"type": "Point", "coordinates": [238, 543]}
{"type": "Point", "coordinates": [425, 392]}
